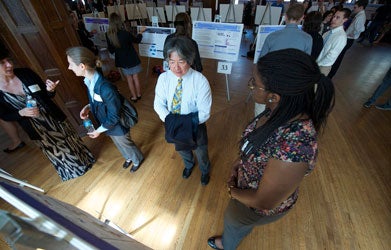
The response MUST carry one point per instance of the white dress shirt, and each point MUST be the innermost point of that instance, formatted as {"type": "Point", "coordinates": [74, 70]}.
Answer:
{"type": "Point", "coordinates": [196, 94]}
{"type": "Point", "coordinates": [334, 42]}
{"type": "Point", "coordinates": [357, 26]}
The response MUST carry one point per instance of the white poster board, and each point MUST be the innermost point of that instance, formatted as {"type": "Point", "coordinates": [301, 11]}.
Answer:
{"type": "Point", "coordinates": [201, 14]}
{"type": "Point", "coordinates": [153, 41]}
{"type": "Point", "coordinates": [98, 26]}
{"type": "Point", "coordinates": [219, 41]}
{"type": "Point", "coordinates": [156, 11]}
{"type": "Point", "coordinates": [136, 11]}
{"type": "Point", "coordinates": [231, 13]}
{"type": "Point", "coordinates": [119, 9]}
{"type": "Point", "coordinates": [172, 10]}
{"type": "Point", "coordinates": [263, 32]}
{"type": "Point", "coordinates": [270, 15]}
{"type": "Point", "coordinates": [65, 221]}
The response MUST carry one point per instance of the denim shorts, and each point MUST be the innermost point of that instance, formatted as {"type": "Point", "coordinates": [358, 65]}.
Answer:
{"type": "Point", "coordinates": [131, 71]}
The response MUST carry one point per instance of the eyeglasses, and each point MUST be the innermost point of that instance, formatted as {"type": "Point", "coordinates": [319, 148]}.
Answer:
{"type": "Point", "coordinates": [251, 84]}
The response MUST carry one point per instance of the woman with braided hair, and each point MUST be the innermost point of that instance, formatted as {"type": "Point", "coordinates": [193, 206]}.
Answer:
{"type": "Point", "coordinates": [279, 147]}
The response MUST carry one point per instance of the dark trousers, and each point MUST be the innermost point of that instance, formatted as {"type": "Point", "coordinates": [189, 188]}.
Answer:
{"type": "Point", "coordinates": [338, 62]}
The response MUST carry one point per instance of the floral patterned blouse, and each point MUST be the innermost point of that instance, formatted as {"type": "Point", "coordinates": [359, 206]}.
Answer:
{"type": "Point", "coordinates": [293, 142]}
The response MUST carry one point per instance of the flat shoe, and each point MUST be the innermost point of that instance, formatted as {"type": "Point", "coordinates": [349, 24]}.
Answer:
{"type": "Point", "coordinates": [21, 145]}
{"type": "Point", "coordinates": [126, 164]}
{"type": "Point", "coordinates": [138, 97]}
{"type": "Point", "coordinates": [133, 99]}
{"type": "Point", "coordinates": [135, 168]}
{"type": "Point", "coordinates": [212, 243]}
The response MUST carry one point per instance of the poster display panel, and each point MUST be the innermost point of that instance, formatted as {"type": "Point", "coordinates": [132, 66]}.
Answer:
{"type": "Point", "coordinates": [119, 9]}
{"type": "Point", "coordinates": [231, 13]}
{"type": "Point", "coordinates": [158, 11]}
{"type": "Point", "coordinates": [219, 41]}
{"type": "Point", "coordinates": [153, 41]}
{"type": "Point", "coordinates": [271, 15]}
{"type": "Point", "coordinates": [201, 14]}
{"type": "Point", "coordinates": [136, 11]}
{"type": "Point", "coordinates": [263, 32]}
{"type": "Point", "coordinates": [98, 26]}
{"type": "Point", "coordinates": [172, 10]}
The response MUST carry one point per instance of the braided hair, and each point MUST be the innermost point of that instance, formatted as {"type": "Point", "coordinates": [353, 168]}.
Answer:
{"type": "Point", "coordinates": [296, 78]}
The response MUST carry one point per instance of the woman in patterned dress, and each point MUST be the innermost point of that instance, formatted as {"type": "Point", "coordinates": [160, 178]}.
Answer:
{"type": "Point", "coordinates": [279, 147]}
{"type": "Point", "coordinates": [45, 124]}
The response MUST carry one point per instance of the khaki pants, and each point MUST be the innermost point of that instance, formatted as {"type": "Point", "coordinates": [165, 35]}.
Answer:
{"type": "Point", "coordinates": [325, 70]}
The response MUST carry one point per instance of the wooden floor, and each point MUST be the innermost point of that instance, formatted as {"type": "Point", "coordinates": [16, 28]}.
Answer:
{"type": "Point", "coordinates": [344, 204]}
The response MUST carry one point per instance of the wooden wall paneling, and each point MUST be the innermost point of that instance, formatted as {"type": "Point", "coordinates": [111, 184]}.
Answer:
{"type": "Point", "coordinates": [42, 31]}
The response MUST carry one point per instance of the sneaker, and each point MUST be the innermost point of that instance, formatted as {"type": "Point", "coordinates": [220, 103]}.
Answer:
{"type": "Point", "coordinates": [367, 104]}
{"type": "Point", "coordinates": [383, 107]}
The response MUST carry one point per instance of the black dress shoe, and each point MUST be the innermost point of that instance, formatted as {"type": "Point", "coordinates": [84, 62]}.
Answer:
{"type": "Point", "coordinates": [126, 164]}
{"type": "Point", "coordinates": [186, 173]}
{"type": "Point", "coordinates": [205, 179]}
{"type": "Point", "coordinates": [135, 168]}
{"type": "Point", "coordinates": [21, 145]}
{"type": "Point", "coordinates": [212, 243]}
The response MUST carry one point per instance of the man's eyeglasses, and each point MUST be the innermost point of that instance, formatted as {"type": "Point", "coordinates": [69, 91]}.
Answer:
{"type": "Point", "coordinates": [251, 84]}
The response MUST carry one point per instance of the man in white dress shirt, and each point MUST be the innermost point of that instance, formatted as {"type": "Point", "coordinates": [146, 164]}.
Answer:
{"type": "Point", "coordinates": [195, 97]}
{"type": "Point", "coordinates": [334, 41]}
{"type": "Point", "coordinates": [353, 32]}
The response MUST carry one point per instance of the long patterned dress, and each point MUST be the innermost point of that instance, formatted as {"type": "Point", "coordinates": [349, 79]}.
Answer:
{"type": "Point", "coordinates": [60, 142]}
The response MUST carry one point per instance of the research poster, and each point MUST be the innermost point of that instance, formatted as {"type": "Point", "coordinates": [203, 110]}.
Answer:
{"type": "Point", "coordinates": [98, 26]}
{"type": "Point", "coordinates": [153, 41]}
{"type": "Point", "coordinates": [219, 41]}
{"type": "Point", "coordinates": [263, 32]}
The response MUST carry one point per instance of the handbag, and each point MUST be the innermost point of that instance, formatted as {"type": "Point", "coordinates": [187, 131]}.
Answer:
{"type": "Point", "coordinates": [129, 115]}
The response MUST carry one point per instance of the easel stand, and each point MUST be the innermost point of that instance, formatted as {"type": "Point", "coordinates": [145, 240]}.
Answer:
{"type": "Point", "coordinates": [201, 10]}
{"type": "Point", "coordinates": [7, 176]}
{"type": "Point", "coordinates": [231, 8]}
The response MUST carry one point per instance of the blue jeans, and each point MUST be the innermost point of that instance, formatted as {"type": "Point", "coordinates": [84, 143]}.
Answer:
{"type": "Point", "coordinates": [386, 83]}
{"type": "Point", "coordinates": [128, 149]}
{"type": "Point", "coordinates": [239, 221]}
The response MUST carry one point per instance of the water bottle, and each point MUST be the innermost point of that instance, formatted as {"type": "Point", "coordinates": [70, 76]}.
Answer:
{"type": "Point", "coordinates": [88, 125]}
{"type": "Point", "coordinates": [31, 102]}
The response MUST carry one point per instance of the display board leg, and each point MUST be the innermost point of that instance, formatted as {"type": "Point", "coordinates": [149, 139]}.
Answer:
{"type": "Point", "coordinates": [227, 85]}
{"type": "Point", "coordinates": [146, 74]}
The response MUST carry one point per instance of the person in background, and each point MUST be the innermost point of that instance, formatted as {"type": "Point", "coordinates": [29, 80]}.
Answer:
{"type": "Point", "coordinates": [289, 37]}
{"type": "Point", "coordinates": [325, 26]}
{"type": "Point", "coordinates": [353, 32]}
{"type": "Point", "coordinates": [45, 123]}
{"type": "Point", "coordinates": [334, 41]}
{"type": "Point", "coordinates": [105, 104]}
{"type": "Point", "coordinates": [83, 34]}
{"type": "Point", "coordinates": [183, 27]}
{"type": "Point", "coordinates": [120, 42]}
{"type": "Point", "coordinates": [307, 5]}
{"type": "Point", "coordinates": [385, 84]}
{"type": "Point", "coordinates": [11, 129]}
{"type": "Point", "coordinates": [312, 25]}
{"type": "Point", "coordinates": [330, 4]}
{"type": "Point", "coordinates": [183, 100]}
{"type": "Point", "coordinates": [382, 16]}
{"type": "Point", "coordinates": [279, 147]}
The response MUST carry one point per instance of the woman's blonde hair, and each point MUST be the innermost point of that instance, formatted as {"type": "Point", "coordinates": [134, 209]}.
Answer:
{"type": "Point", "coordinates": [83, 55]}
{"type": "Point", "coordinates": [115, 25]}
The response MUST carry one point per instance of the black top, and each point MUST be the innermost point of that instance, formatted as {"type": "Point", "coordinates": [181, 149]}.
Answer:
{"type": "Point", "coordinates": [43, 97]}
{"type": "Point", "coordinates": [317, 44]}
{"type": "Point", "coordinates": [125, 56]}
{"type": "Point", "coordinates": [197, 65]}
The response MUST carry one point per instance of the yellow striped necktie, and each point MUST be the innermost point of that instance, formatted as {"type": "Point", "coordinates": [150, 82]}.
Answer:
{"type": "Point", "coordinates": [176, 101]}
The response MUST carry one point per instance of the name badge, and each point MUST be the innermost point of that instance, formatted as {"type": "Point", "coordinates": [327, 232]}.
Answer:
{"type": "Point", "coordinates": [34, 88]}
{"type": "Point", "coordinates": [97, 98]}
